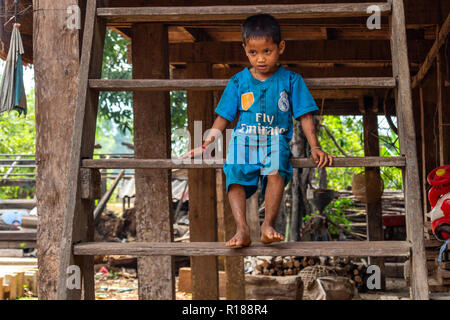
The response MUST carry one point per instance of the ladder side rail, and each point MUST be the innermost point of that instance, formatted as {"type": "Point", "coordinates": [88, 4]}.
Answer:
{"type": "Point", "coordinates": [407, 140]}
{"type": "Point", "coordinates": [78, 219]}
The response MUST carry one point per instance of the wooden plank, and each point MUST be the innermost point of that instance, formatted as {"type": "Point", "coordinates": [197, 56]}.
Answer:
{"type": "Point", "coordinates": [374, 210]}
{"type": "Point", "coordinates": [225, 13]}
{"type": "Point", "coordinates": [1, 289]}
{"type": "Point", "coordinates": [202, 192]}
{"type": "Point", "coordinates": [20, 235]}
{"type": "Point", "coordinates": [189, 163]}
{"type": "Point", "coordinates": [217, 84]}
{"type": "Point", "coordinates": [152, 139]}
{"type": "Point", "coordinates": [299, 52]}
{"type": "Point", "coordinates": [4, 244]}
{"type": "Point", "coordinates": [429, 60]}
{"type": "Point", "coordinates": [4, 261]}
{"type": "Point", "coordinates": [19, 283]}
{"type": "Point", "coordinates": [234, 266]}
{"type": "Point", "coordinates": [414, 218]}
{"type": "Point", "coordinates": [78, 218]}
{"type": "Point", "coordinates": [303, 248]}
{"type": "Point", "coordinates": [11, 280]}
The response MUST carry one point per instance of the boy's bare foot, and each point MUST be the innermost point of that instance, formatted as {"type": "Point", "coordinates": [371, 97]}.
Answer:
{"type": "Point", "coordinates": [269, 234]}
{"type": "Point", "coordinates": [240, 239]}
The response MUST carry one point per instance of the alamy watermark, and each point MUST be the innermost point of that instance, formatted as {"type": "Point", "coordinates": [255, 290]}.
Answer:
{"type": "Point", "coordinates": [374, 21]}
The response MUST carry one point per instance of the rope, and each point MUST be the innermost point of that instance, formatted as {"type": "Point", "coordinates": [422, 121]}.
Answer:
{"type": "Point", "coordinates": [442, 250]}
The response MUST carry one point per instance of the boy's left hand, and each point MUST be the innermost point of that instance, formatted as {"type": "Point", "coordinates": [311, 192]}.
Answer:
{"type": "Point", "coordinates": [322, 158]}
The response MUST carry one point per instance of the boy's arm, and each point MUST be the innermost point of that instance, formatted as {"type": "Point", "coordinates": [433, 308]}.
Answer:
{"type": "Point", "coordinates": [216, 130]}
{"type": "Point", "coordinates": [320, 157]}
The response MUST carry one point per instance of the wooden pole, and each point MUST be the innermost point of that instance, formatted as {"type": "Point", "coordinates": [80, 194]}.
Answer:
{"type": "Point", "coordinates": [152, 139]}
{"type": "Point", "coordinates": [374, 211]}
{"type": "Point", "coordinates": [202, 191]}
{"type": "Point", "coordinates": [433, 53]}
{"type": "Point", "coordinates": [54, 121]}
{"type": "Point", "coordinates": [414, 215]}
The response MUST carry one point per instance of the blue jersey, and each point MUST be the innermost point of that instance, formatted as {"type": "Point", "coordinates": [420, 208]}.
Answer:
{"type": "Point", "coordinates": [265, 108]}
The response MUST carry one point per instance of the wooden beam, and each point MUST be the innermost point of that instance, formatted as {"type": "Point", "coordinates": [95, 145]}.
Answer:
{"type": "Point", "coordinates": [225, 13]}
{"type": "Point", "coordinates": [441, 38]}
{"type": "Point", "coordinates": [303, 248]}
{"type": "Point", "coordinates": [202, 192]}
{"type": "Point", "coordinates": [18, 204]}
{"type": "Point", "coordinates": [152, 139]}
{"type": "Point", "coordinates": [22, 235]}
{"type": "Point", "coordinates": [336, 51]}
{"type": "Point", "coordinates": [78, 220]}
{"type": "Point", "coordinates": [190, 164]}
{"type": "Point", "coordinates": [217, 84]}
{"type": "Point", "coordinates": [414, 218]}
{"type": "Point", "coordinates": [54, 122]}
{"type": "Point", "coordinates": [373, 209]}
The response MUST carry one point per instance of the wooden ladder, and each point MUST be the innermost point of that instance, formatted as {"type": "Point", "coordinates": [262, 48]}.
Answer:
{"type": "Point", "coordinates": [78, 249]}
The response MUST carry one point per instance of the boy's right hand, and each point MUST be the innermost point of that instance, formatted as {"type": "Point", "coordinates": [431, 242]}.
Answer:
{"type": "Point", "coordinates": [193, 153]}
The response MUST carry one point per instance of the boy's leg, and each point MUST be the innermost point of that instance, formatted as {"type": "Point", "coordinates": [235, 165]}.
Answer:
{"type": "Point", "coordinates": [236, 196]}
{"type": "Point", "coordinates": [273, 196]}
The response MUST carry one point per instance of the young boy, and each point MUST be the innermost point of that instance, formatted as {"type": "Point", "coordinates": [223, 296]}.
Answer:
{"type": "Point", "coordinates": [265, 96]}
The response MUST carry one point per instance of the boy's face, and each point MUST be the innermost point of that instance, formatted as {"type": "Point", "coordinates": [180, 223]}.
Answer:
{"type": "Point", "coordinates": [263, 55]}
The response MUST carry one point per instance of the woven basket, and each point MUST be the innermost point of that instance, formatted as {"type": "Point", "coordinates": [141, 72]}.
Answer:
{"type": "Point", "coordinates": [374, 190]}
{"type": "Point", "coordinates": [310, 274]}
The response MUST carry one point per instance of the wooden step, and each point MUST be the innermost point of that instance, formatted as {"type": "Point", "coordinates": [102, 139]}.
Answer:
{"type": "Point", "coordinates": [218, 84]}
{"type": "Point", "coordinates": [226, 13]}
{"type": "Point", "coordinates": [191, 164]}
{"type": "Point", "coordinates": [310, 249]}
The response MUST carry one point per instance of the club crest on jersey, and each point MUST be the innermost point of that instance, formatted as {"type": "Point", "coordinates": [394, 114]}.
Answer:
{"type": "Point", "coordinates": [283, 102]}
{"type": "Point", "coordinates": [247, 100]}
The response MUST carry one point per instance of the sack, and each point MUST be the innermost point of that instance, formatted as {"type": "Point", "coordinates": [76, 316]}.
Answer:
{"type": "Point", "coordinates": [332, 288]}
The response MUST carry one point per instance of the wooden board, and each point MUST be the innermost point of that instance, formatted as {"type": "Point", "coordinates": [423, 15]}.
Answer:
{"type": "Point", "coordinates": [216, 84]}
{"type": "Point", "coordinates": [323, 248]}
{"type": "Point", "coordinates": [224, 13]}
{"type": "Point", "coordinates": [202, 192]}
{"type": "Point", "coordinates": [407, 139]}
{"type": "Point", "coordinates": [152, 140]}
{"type": "Point", "coordinates": [189, 163]}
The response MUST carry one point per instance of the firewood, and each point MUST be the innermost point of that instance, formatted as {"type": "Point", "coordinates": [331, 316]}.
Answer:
{"type": "Point", "coordinates": [297, 263]}
{"type": "Point", "coordinates": [358, 279]}
{"type": "Point", "coordinates": [265, 271]}
{"type": "Point", "coordinates": [311, 262]}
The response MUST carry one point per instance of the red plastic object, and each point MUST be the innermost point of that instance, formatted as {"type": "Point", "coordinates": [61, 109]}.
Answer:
{"type": "Point", "coordinates": [103, 270]}
{"type": "Point", "coordinates": [439, 176]}
{"type": "Point", "coordinates": [393, 220]}
{"type": "Point", "coordinates": [436, 192]}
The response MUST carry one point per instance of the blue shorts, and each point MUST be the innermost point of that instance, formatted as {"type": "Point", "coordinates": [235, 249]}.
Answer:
{"type": "Point", "coordinates": [247, 164]}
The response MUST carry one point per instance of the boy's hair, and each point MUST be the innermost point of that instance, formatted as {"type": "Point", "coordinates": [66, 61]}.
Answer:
{"type": "Point", "coordinates": [261, 26]}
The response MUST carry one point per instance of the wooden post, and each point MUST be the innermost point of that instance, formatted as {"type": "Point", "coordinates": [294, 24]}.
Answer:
{"type": "Point", "coordinates": [253, 217]}
{"type": "Point", "coordinates": [54, 122]}
{"type": "Point", "coordinates": [202, 191]}
{"type": "Point", "coordinates": [443, 143]}
{"type": "Point", "coordinates": [414, 215]}
{"type": "Point", "coordinates": [374, 211]}
{"type": "Point", "coordinates": [234, 266]}
{"type": "Point", "coordinates": [152, 139]}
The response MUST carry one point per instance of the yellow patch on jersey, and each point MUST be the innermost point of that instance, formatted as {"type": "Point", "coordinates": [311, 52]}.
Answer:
{"type": "Point", "coordinates": [247, 100]}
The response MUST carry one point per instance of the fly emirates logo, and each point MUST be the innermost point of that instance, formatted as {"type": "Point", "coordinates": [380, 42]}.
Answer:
{"type": "Point", "coordinates": [263, 126]}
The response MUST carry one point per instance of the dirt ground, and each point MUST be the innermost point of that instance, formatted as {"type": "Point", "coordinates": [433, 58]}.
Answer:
{"type": "Point", "coordinates": [123, 286]}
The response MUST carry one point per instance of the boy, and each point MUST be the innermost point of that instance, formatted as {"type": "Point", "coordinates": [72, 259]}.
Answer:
{"type": "Point", "coordinates": [266, 96]}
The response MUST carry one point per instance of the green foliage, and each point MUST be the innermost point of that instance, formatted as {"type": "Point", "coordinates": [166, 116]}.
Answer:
{"type": "Point", "coordinates": [116, 106]}
{"type": "Point", "coordinates": [348, 132]}
{"type": "Point", "coordinates": [335, 212]}
{"type": "Point", "coordinates": [17, 136]}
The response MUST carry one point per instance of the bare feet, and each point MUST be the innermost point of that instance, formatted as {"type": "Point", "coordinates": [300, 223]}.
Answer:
{"type": "Point", "coordinates": [269, 234]}
{"type": "Point", "coordinates": [240, 239]}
